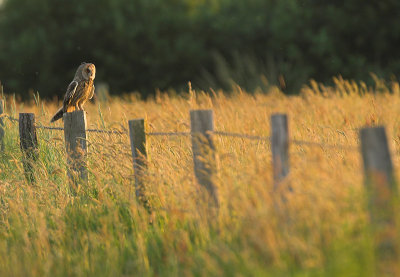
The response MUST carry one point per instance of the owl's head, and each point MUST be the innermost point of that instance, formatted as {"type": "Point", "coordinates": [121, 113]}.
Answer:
{"type": "Point", "coordinates": [87, 71]}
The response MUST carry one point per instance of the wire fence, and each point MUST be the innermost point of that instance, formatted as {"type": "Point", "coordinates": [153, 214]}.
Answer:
{"type": "Point", "coordinates": [244, 136]}
{"type": "Point", "coordinates": [169, 134]}
{"type": "Point", "coordinates": [220, 133]}
{"type": "Point", "coordinates": [324, 145]}
{"type": "Point", "coordinates": [49, 128]}
{"type": "Point", "coordinates": [40, 126]}
{"type": "Point", "coordinates": [263, 138]}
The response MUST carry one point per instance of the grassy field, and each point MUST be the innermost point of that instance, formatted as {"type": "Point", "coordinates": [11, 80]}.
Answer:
{"type": "Point", "coordinates": [320, 229]}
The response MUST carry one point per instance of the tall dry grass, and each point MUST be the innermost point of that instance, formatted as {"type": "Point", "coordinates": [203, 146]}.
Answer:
{"type": "Point", "coordinates": [320, 228]}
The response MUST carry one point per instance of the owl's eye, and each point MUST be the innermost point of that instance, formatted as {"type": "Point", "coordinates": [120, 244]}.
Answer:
{"type": "Point", "coordinates": [88, 70]}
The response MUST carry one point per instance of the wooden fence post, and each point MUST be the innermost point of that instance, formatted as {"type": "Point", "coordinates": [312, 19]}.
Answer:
{"type": "Point", "coordinates": [382, 197]}
{"type": "Point", "coordinates": [139, 154]}
{"type": "Point", "coordinates": [76, 146]}
{"type": "Point", "coordinates": [202, 126]}
{"type": "Point", "coordinates": [280, 147]}
{"type": "Point", "coordinates": [2, 130]}
{"type": "Point", "coordinates": [28, 143]}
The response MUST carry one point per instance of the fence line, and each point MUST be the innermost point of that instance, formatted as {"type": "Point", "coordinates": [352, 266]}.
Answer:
{"type": "Point", "coordinates": [106, 131]}
{"type": "Point", "coordinates": [323, 145]}
{"type": "Point", "coordinates": [40, 126]}
{"type": "Point", "coordinates": [166, 134]}
{"type": "Point", "coordinates": [260, 138]}
{"type": "Point", "coordinates": [220, 133]}
{"type": "Point", "coordinates": [49, 128]}
{"type": "Point", "coordinates": [245, 136]}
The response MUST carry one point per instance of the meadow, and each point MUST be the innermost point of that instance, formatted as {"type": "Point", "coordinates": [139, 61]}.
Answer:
{"type": "Point", "coordinates": [319, 229]}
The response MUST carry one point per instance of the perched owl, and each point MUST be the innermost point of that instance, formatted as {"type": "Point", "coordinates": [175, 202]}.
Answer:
{"type": "Point", "coordinates": [79, 90]}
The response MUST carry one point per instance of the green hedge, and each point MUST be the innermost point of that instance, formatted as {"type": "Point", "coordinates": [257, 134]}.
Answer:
{"type": "Point", "coordinates": [147, 44]}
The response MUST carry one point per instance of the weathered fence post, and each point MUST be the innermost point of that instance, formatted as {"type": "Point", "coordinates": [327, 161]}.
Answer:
{"type": "Point", "coordinates": [76, 146]}
{"type": "Point", "coordinates": [280, 147]}
{"type": "Point", "coordinates": [2, 131]}
{"type": "Point", "coordinates": [202, 126]}
{"type": "Point", "coordinates": [382, 197]}
{"type": "Point", "coordinates": [139, 154]}
{"type": "Point", "coordinates": [28, 143]}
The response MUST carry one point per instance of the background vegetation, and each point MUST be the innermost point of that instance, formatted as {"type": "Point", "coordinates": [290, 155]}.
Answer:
{"type": "Point", "coordinates": [321, 229]}
{"type": "Point", "coordinates": [147, 44]}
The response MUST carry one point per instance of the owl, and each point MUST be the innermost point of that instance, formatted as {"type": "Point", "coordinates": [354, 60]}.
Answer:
{"type": "Point", "coordinates": [79, 90]}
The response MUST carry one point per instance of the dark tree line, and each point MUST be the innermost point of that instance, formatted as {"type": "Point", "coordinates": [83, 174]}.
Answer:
{"type": "Point", "coordinates": [146, 44]}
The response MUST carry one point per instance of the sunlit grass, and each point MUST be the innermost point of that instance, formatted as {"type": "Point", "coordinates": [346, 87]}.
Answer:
{"type": "Point", "coordinates": [318, 229]}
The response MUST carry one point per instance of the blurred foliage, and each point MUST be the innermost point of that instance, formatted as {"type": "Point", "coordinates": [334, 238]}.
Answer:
{"type": "Point", "coordinates": [147, 44]}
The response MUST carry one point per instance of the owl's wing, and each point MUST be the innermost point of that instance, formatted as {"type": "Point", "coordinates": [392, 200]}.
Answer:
{"type": "Point", "coordinates": [70, 93]}
{"type": "Point", "coordinates": [91, 93]}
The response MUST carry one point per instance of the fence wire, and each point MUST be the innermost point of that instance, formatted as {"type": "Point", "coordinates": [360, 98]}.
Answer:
{"type": "Point", "coordinates": [106, 131]}
{"type": "Point", "coordinates": [244, 136]}
{"type": "Point", "coordinates": [294, 141]}
{"type": "Point", "coordinates": [323, 145]}
{"type": "Point", "coordinates": [227, 134]}
{"type": "Point", "coordinates": [220, 133]}
{"type": "Point", "coordinates": [169, 134]}
{"type": "Point", "coordinates": [49, 128]}
{"type": "Point", "coordinates": [40, 126]}
{"type": "Point", "coordinates": [262, 138]}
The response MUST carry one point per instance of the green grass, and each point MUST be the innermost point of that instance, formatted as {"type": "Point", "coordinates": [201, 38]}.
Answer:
{"type": "Point", "coordinates": [320, 229]}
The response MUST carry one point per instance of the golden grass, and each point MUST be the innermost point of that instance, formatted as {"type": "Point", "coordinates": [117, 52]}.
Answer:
{"type": "Point", "coordinates": [318, 229]}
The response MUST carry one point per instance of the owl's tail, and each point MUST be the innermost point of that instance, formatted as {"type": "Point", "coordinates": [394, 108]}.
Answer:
{"type": "Point", "coordinates": [58, 115]}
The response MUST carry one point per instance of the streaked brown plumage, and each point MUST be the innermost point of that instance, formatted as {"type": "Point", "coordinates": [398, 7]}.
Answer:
{"type": "Point", "coordinates": [79, 90]}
